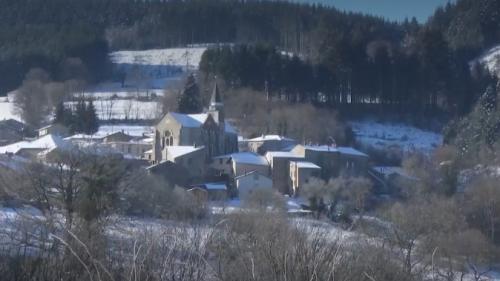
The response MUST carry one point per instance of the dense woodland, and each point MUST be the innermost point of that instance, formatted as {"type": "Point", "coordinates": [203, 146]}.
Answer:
{"type": "Point", "coordinates": [349, 58]}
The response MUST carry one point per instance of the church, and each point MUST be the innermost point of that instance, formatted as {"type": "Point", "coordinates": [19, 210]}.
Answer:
{"type": "Point", "coordinates": [183, 133]}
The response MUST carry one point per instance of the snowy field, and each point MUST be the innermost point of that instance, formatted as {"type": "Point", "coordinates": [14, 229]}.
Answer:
{"type": "Point", "coordinates": [126, 109]}
{"type": "Point", "coordinates": [183, 57]}
{"type": "Point", "coordinates": [392, 135]}
{"type": "Point", "coordinates": [7, 111]}
{"type": "Point", "coordinates": [491, 60]}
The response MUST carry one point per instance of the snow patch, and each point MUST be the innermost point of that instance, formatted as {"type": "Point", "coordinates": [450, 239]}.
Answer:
{"type": "Point", "coordinates": [490, 59]}
{"type": "Point", "coordinates": [395, 135]}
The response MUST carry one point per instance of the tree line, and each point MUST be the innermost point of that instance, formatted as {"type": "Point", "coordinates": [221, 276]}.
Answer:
{"type": "Point", "coordinates": [355, 58]}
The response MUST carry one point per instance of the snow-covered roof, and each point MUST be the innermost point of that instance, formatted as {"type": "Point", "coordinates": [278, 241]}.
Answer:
{"type": "Point", "coordinates": [282, 154]}
{"type": "Point", "coordinates": [215, 186]}
{"type": "Point", "coordinates": [251, 173]}
{"type": "Point", "coordinates": [177, 151]}
{"type": "Point", "coordinates": [322, 148]}
{"type": "Point", "coordinates": [306, 165]}
{"type": "Point", "coordinates": [197, 120]}
{"type": "Point", "coordinates": [189, 120]}
{"type": "Point", "coordinates": [328, 148]}
{"type": "Point", "coordinates": [246, 158]}
{"type": "Point", "coordinates": [47, 142]}
{"type": "Point", "coordinates": [269, 138]}
{"type": "Point", "coordinates": [351, 151]}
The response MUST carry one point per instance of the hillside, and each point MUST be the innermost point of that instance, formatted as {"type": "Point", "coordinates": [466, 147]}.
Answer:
{"type": "Point", "coordinates": [490, 60]}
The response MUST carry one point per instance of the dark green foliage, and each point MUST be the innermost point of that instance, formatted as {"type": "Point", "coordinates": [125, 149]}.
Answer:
{"type": "Point", "coordinates": [480, 129]}
{"type": "Point", "coordinates": [360, 62]}
{"type": "Point", "coordinates": [100, 177]}
{"type": "Point", "coordinates": [91, 119]}
{"type": "Point", "coordinates": [190, 99]}
{"type": "Point", "coordinates": [83, 119]}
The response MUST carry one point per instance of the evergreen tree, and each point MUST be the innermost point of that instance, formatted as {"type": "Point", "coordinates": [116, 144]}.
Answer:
{"type": "Point", "coordinates": [62, 115]}
{"type": "Point", "coordinates": [80, 115]}
{"type": "Point", "coordinates": [190, 100]}
{"type": "Point", "coordinates": [91, 119]}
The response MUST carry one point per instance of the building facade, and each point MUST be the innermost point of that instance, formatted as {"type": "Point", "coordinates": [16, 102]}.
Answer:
{"type": "Point", "coordinates": [209, 130]}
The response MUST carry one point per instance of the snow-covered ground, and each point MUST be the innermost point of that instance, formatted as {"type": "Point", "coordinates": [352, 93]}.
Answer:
{"type": "Point", "coordinates": [7, 111]}
{"type": "Point", "coordinates": [491, 60]}
{"type": "Point", "coordinates": [395, 136]}
{"type": "Point", "coordinates": [184, 57]}
{"type": "Point", "coordinates": [126, 109]}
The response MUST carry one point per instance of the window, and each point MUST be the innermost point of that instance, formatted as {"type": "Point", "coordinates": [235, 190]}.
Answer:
{"type": "Point", "coordinates": [129, 149]}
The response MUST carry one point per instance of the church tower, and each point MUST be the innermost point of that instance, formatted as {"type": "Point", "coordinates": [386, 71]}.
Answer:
{"type": "Point", "coordinates": [216, 108]}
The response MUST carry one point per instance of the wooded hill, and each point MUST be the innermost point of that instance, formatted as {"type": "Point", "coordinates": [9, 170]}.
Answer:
{"type": "Point", "coordinates": [403, 66]}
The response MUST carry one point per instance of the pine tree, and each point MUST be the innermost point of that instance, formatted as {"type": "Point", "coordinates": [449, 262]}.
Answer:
{"type": "Point", "coordinates": [91, 119]}
{"type": "Point", "coordinates": [80, 115]}
{"type": "Point", "coordinates": [190, 101]}
{"type": "Point", "coordinates": [61, 115]}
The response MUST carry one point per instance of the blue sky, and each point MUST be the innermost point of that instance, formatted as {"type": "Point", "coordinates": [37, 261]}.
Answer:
{"type": "Point", "coordinates": [390, 9]}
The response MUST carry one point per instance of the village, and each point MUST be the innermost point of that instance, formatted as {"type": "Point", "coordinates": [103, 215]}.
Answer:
{"type": "Point", "coordinates": [203, 154]}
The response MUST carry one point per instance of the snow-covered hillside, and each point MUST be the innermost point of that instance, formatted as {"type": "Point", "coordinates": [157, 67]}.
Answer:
{"type": "Point", "coordinates": [184, 57]}
{"type": "Point", "coordinates": [395, 136]}
{"type": "Point", "coordinates": [491, 60]}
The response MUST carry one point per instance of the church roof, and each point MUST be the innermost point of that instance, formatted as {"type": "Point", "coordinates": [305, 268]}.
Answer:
{"type": "Point", "coordinates": [197, 120]}
{"type": "Point", "coordinates": [177, 151]}
{"type": "Point", "coordinates": [270, 138]}
{"type": "Point", "coordinates": [189, 120]}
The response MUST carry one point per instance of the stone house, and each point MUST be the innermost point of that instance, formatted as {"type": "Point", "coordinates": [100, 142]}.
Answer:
{"type": "Point", "coordinates": [250, 182]}
{"type": "Point", "coordinates": [265, 143]}
{"type": "Point", "coordinates": [54, 129]}
{"type": "Point", "coordinates": [301, 172]}
{"type": "Point", "coordinates": [280, 166]}
{"type": "Point", "coordinates": [333, 160]}
{"type": "Point", "coordinates": [237, 164]}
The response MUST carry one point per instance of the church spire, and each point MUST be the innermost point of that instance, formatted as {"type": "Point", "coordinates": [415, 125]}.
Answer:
{"type": "Point", "coordinates": [216, 99]}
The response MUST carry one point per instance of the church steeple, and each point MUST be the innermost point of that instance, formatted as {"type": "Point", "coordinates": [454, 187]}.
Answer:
{"type": "Point", "coordinates": [216, 108]}
{"type": "Point", "coordinates": [216, 99]}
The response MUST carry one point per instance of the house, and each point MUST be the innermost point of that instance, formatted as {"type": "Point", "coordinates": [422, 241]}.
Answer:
{"type": "Point", "coordinates": [35, 149]}
{"type": "Point", "coordinates": [265, 143]}
{"type": "Point", "coordinates": [12, 131]}
{"type": "Point", "coordinates": [119, 142]}
{"type": "Point", "coordinates": [333, 160]}
{"type": "Point", "coordinates": [301, 172]}
{"type": "Point", "coordinates": [250, 182]}
{"type": "Point", "coordinates": [209, 130]}
{"type": "Point", "coordinates": [216, 191]}
{"type": "Point", "coordinates": [190, 157]}
{"type": "Point", "coordinates": [237, 164]}
{"type": "Point", "coordinates": [169, 171]}
{"type": "Point", "coordinates": [54, 129]}
{"type": "Point", "coordinates": [279, 162]}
